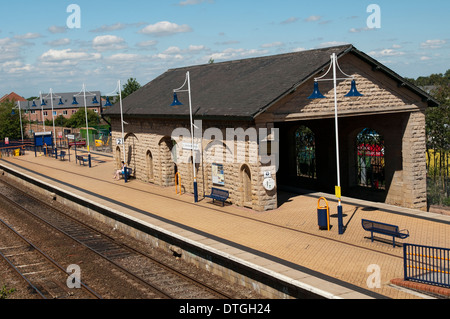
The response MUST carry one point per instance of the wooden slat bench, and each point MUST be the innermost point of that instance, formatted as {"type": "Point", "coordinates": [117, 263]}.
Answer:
{"type": "Point", "coordinates": [218, 194]}
{"type": "Point", "coordinates": [384, 229]}
{"type": "Point", "coordinates": [81, 159]}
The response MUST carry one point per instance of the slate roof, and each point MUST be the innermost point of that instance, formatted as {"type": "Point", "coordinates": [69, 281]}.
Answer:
{"type": "Point", "coordinates": [67, 99]}
{"type": "Point", "coordinates": [240, 89]}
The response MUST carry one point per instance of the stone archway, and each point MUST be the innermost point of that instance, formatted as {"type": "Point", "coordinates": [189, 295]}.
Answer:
{"type": "Point", "coordinates": [166, 162]}
{"type": "Point", "coordinates": [149, 161]}
{"type": "Point", "coordinates": [246, 185]}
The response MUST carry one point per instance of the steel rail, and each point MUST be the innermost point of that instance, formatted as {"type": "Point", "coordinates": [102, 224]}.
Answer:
{"type": "Point", "coordinates": [172, 270]}
{"type": "Point", "coordinates": [53, 262]}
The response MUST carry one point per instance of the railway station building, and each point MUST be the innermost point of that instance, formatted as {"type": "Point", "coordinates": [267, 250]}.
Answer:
{"type": "Point", "coordinates": [257, 132]}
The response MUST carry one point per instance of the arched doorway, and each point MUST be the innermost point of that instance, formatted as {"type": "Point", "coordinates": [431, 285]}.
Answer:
{"type": "Point", "coordinates": [246, 185]}
{"type": "Point", "coordinates": [118, 158]}
{"type": "Point", "coordinates": [305, 152]}
{"type": "Point", "coordinates": [370, 155]}
{"type": "Point", "coordinates": [149, 160]}
{"type": "Point", "coordinates": [167, 167]}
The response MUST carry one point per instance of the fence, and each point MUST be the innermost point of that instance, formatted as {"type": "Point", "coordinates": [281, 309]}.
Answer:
{"type": "Point", "coordinates": [11, 148]}
{"type": "Point", "coordinates": [438, 177]}
{"type": "Point", "coordinates": [430, 265]}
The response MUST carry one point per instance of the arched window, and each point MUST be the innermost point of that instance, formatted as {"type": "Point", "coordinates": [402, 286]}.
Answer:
{"type": "Point", "coordinates": [370, 159]}
{"type": "Point", "coordinates": [305, 152]}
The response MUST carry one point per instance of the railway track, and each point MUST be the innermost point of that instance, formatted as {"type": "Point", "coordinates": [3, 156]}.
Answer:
{"type": "Point", "coordinates": [140, 270]}
{"type": "Point", "coordinates": [44, 276]}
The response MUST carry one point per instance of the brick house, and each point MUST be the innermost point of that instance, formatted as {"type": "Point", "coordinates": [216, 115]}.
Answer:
{"type": "Point", "coordinates": [12, 97]}
{"type": "Point", "coordinates": [63, 104]}
{"type": "Point", "coordinates": [381, 134]}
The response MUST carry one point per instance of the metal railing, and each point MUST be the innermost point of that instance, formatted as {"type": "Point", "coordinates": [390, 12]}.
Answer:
{"type": "Point", "coordinates": [426, 264]}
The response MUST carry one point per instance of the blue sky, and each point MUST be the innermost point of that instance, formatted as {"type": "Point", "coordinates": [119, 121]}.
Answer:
{"type": "Point", "coordinates": [143, 38]}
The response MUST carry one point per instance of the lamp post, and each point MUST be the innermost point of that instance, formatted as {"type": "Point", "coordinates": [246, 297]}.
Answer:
{"type": "Point", "coordinates": [42, 109]}
{"type": "Point", "coordinates": [176, 102]}
{"type": "Point", "coordinates": [85, 112]}
{"type": "Point", "coordinates": [20, 118]}
{"type": "Point", "coordinates": [108, 103]}
{"type": "Point", "coordinates": [317, 95]}
{"type": "Point", "coordinates": [53, 115]}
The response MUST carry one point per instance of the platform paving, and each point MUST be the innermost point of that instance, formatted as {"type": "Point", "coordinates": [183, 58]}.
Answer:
{"type": "Point", "coordinates": [285, 242]}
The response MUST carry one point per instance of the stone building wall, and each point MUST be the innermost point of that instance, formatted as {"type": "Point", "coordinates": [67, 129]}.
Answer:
{"type": "Point", "coordinates": [152, 149]}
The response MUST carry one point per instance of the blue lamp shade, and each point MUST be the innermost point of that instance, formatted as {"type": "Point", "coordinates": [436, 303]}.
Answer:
{"type": "Point", "coordinates": [60, 102]}
{"type": "Point", "coordinates": [13, 112]}
{"type": "Point", "coordinates": [34, 104]}
{"type": "Point", "coordinates": [94, 100]}
{"type": "Point", "coordinates": [175, 102]}
{"type": "Point", "coordinates": [316, 94]}
{"type": "Point", "coordinates": [43, 103]}
{"type": "Point", "coordinates": [353, 91]}
{"type": "Point", "coordinates": [108, 103]}
{"type": "Point", "coordinates": [74, 102]}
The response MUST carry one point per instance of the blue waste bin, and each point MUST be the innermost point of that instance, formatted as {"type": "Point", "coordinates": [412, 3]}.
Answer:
{"type": "Point", "coordinates": [323, 215]}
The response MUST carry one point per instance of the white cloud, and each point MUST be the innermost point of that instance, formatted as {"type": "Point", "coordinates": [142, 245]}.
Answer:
{"type": "Point", "coordinates": [433, 44]}
{"type": "Point", "coordinates": [272, 45]}
{"type": "Point", "coordinates": [28, 36]}
{"type": "Point", "coordinates": [148, 43]}
{"type": "Point", "coordinates": [196, 48]}
{"type": "Point", "coordinates": [57, 29]}
{"type": "Point", "coordinates": [124, 57]}
{"type": "Point", "coordinates": [313, 18]}
{"type": "Point", "coordinates": [67, 56]}
{"type": "Point", "coordinates": [358, 30]}
{"type": "Point", "coordinates": [425, 58]}
{"type": "Point", "coordinates": [230, 54]}
{"type": "Point", "coordinates": [10, 49]}
{"type": "Point", "coordinates": [108, 43]}
{"type": "Point", "coordinates": [165, 28]}
{"type": "Point", "coordinates": [290, 20]}
{"type": "Point", "coordinates": [385, 53]}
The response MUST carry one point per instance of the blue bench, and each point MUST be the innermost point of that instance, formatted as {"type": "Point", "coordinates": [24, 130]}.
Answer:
{"type": "Point", "coordinates": [384, 229]}
{"type": "Point", "coordinates": [81, 159]}
{"type": "Point", "coordinates": [219, 194]}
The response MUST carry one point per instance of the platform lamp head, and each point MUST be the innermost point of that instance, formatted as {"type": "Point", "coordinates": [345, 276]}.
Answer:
{"type": "Point", "coordinates": [175, 102]}
{"type": "Point", "coordinates": [316, 94]}
{"type": "Point", "coordinates": [353, 91]}
{"type": "Point", "coordinates": [108, 102]}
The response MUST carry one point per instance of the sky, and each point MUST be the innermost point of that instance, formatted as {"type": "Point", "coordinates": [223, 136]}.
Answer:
{"type": "Point", "coordinates": [62, 45]}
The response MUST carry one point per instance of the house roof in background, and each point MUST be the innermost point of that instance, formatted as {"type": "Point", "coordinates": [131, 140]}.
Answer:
{"type": "Point", "coordinates": [12, 97]}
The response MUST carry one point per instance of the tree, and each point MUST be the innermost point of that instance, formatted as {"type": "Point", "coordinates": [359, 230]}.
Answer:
{"type": "Point", "coordinates": [131, 86]}
{"type": "Point", "coordinates": [9, 122]}
{"type": "Point", "coordinates": [79, 119]}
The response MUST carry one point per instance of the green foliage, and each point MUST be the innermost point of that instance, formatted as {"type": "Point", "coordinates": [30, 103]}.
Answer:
{"type": "Point", "coordinates": [438, 137]}
{"type": "Point", "coordinates": [5, 292]}
{"type": "Point", "coordinates": [79, 119]}
{"type": "Point", "coordinates": [131, 86]}
{"type": "Point", "coordinates": [10, 123]}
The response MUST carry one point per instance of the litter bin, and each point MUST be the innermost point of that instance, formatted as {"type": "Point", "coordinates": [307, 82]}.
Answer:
{"type": "Point", "coordinates": [323, 215]}
{"type": "Point", "coordinates": [17, 152]}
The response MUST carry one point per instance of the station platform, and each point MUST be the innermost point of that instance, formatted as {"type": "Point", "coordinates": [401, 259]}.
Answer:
{"type": "Point", "coordinates": [285, 243]}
